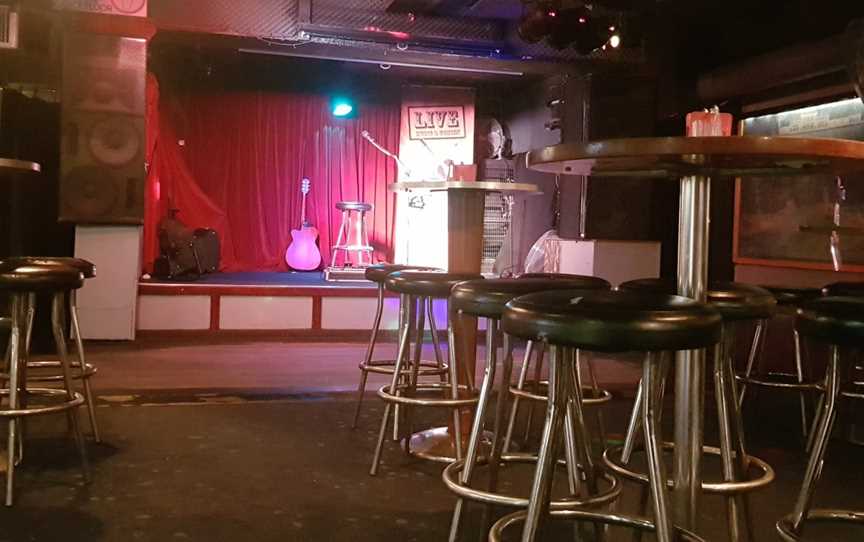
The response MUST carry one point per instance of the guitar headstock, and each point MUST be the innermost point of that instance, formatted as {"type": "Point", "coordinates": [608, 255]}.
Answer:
{"type": "Point", "coordinates": [305, 185]}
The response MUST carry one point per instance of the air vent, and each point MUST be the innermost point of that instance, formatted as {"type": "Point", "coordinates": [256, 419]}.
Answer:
{"type": "Point", "coordinates": [8, 27]}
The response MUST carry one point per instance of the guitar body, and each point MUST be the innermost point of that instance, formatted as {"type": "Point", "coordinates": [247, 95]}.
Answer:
{"type": "Point", "coordinates": [303, 253]}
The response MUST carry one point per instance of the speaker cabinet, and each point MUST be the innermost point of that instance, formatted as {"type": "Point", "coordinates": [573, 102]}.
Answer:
{"type": "Point", "coordinates": [103, 134]}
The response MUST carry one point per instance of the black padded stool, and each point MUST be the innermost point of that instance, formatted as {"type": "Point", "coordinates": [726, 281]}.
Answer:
{"type": "Point", "coordinates": [420, 288]}
{"type": "Point", "coordinates": [378, 274]}
{"type": "Point", "coordinates": [22, 283]}
{"type": "Point", "coordinates": [788, 301]}
{"type": "Point", "coordinates": [604, 322]}
{"type": "Point", "coordinates": [83, 371]}
{"type": "Point", "coordinates": [487, 299]}
{"type": "Point", "coordinates": [848, 289]}
{"type": "Point", "coordinates": [591, 396]}
{"type": "Point", "coordinates": [738, 305]}
{"type": "Point", "coordinates": [838, 322]}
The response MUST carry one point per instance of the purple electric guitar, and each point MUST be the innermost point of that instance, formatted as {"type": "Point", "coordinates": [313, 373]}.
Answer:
{"type": "Point", "coordinates": [303, 253]}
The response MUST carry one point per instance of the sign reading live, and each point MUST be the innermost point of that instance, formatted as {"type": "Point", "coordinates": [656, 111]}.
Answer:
{"type": "Point", "coordinates": [436, 122]}
{"type": "Point", "coordinates": [135, 8]}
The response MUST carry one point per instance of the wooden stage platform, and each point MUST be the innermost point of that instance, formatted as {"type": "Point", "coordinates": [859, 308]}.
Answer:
{"type": "Point", "coordinates": [286, 305]}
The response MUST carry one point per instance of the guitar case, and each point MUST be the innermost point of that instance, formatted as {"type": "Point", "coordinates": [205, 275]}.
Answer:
{"type": "Point", "coordinates": [185, 253]}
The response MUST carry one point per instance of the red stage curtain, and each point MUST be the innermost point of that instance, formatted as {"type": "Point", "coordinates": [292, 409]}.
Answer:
{"type": "Point", "coordinates": [240, 168]}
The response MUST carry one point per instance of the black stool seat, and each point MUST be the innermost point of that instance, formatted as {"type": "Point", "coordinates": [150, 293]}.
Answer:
{"type": "Point", "coordinates": [587, 281]}
{"type": "Point", "coordinates": [15, 277]}
{"type": "Point", "coordinates": [354, 206]}
{"type": "Point", "coordinates": [733, 300]}
{"type": "Point", "coordinates": [844, 289]}
{"type": "Point", "coordinates": [792, 295]}
{"type": "Point", "coordinates": [378, 272]}
{"type": "Point", "coordinates": [488, 297]}
{"type": "Point", "coordinates": [426, 283]}
{"type": "Point", "coordinates": [613, 321]}
{"type": "Point", "coordinates": [835, 320]}
{"type": "Point", "coordinates": [86, 268]}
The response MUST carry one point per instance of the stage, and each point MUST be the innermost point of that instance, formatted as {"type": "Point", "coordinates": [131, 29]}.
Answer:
{"type": "Point", "coordinates": [281, 304]}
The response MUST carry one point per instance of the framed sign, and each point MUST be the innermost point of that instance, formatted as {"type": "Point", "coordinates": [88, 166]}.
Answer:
{"type": "Point", "coordinates": [135, 8]}
{"type": "Point", "coordinates": [436, 122]}
{"type": "Point", "coordinates": [789, 221]}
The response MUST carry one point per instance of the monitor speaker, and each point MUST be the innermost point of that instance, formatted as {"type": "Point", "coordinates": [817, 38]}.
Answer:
{"type": "Point", "coordinates": [103, 132]}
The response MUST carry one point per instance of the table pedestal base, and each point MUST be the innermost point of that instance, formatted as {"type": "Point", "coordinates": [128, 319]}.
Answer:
{"type": "Point", "coordinates": [437, 445]}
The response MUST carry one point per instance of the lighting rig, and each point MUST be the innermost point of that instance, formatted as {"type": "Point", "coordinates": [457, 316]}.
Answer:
{"type": "Point", "coordinates": [570, 23]}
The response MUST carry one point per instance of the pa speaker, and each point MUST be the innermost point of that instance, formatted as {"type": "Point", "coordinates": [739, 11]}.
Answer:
{"type": "Point", "coordinates": [103, 137]}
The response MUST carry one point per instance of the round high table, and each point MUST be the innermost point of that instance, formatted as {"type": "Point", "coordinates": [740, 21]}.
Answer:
{"type": "Point", "coordinates": [12, 169]}
{"type": "Point", "coordinates": [465, 210]}
{"type": "Point", "coordinates": [693, 161]}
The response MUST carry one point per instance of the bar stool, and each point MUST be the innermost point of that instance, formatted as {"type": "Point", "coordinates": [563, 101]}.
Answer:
{"type": "Point", "coordinates": [352, 235]}
{"type": "Point", "coordinates": [738, 305]}
{"type": "Point", "coordinates": [420, 288]}
{"type": "Point", "coordinates": [788, 300]}
{"type": "Point", "coordinates": [839, 323]}
{"type": "Point", "coordinates": [605, 322]}
{"type": "Point", "coordinates": [487, 299]}
{"type": "Point", "coordinates": [85, 370]}
{"type": "Point", "coordinates": [378, 274]}
{"type": "Point", "coordinates": [22, 283]}
{"type": "Point", "coordinates": [847, 289]}
{"type": "Point", "coordinates": [591, 396]}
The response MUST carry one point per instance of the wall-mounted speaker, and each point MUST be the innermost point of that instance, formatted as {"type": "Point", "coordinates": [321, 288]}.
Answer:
{"type": "Point", "coordinates": [103, 137]}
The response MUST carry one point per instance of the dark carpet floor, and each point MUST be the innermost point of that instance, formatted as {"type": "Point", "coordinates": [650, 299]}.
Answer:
{"type": "Point", "coordinates": [288, 468]}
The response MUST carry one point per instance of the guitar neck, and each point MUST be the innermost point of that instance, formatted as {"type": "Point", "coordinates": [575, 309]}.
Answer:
{"type": "Point", "coordinates": [303, 211]}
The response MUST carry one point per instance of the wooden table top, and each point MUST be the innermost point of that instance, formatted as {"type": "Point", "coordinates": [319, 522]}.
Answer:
{"type": "Point", "coordinates": [675, 157]}
{"type": "Point", "coordinates": [440, 186]}
{"type": "Point", "coordinates": [9, 165]}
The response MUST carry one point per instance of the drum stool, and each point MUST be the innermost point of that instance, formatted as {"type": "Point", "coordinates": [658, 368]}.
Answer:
{"type": "Point", "coordinates": [352, 237]}
{"type": "Point", "coordinates": [378, 274]}
{"type": "Point", "coordinates": [738, 304]}
{"type": "Point", "coordinates": [604, 322]}
{"type": "Point", "coordinates": [421, 288]}
{"type": "Point", "coordinates": [83, 370]}
{"type": "Point", "coordinates": [591, 396]}
{"type": "Point", "coordinates": [22, 283]}
{"type": "Point", "coordinates": [788, 300]}
{"type": "Point", "coordinates": [838, 322]}
{"type": "Point", "coordinates": [487, 299]}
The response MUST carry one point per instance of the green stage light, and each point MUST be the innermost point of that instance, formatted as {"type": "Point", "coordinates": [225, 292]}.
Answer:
{"type": "Point", "coordinates": [342, 108]}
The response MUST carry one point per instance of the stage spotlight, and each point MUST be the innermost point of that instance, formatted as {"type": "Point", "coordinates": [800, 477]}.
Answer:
{"type": "Point", "coordinates": [615, 41]}
{"type": "Point", "coordinates": [342, 108]}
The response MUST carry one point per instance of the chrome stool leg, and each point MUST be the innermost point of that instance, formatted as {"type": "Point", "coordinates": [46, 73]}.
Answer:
{"type": "Point", "coordinates": [415, 366]}
{"type": "Point", "coordinates": [471, 455]}
{"type": "Point", "coordinates": [520, 384]}
{"type": "Point", "coordinates": [370, 350]}
{"type": "Point", "coordinates": [791, 526]}
{"type": "Point", "coordinates": [555, 413]}
{"type": "Point", "coordinates": [538, 371]}
{"type": "Point", "coordinates": [14, 362]}
{"type": "Point", "coordinates": [652, 406]}
{"type": "Point", "coordinates": [401, 355]}
{"type": "Point", "coordinates": [58, 325]}
{"type": "Point", "coordinates": [85, 377]}
{"type": "Point", "coordinates": [756, 347]}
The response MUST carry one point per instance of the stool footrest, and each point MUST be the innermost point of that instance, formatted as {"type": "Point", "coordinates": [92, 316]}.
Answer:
{"type": "Point", "coordinates": [387, 395]}
{"type": "Point", "coordinates": [453, 471]}
{"type": "Point", "coordinates": [605, 395]}
{"type": "Point", "coordinates": [607, 518]}
{"type": "Point", "coordinates": [386, 366]}
{"type": "Point", "coordinates": [611, 457]}
{"type": "Point", "coordinates": [66, 404]}
{"type": "Point", "coordinates": [776, 380]}
{"type": "Point", "coordinates": [786, 532]}
{"type": "Point", "coordinates": [89, 370]}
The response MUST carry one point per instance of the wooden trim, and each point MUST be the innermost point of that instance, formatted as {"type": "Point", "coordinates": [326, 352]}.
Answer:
{"type": "Point", "coordinates": [316, 313]}
{"type": "Point", "coordinates": [215, 310]}
{"type": "Point", "coordinates": [736, 220]}
{"type": "Point", "coordinates": [249, 290]}
{"type": "Point", "coordinates": [795, 264]}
